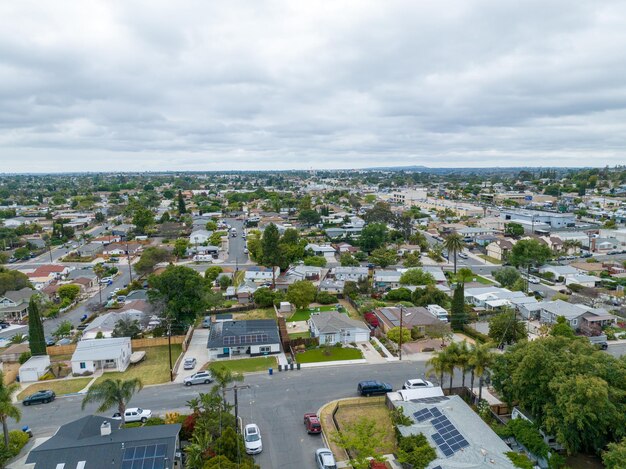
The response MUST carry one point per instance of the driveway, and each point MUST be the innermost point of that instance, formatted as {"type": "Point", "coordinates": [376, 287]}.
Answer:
{"type": "Point", "coordinates": [197, 349]}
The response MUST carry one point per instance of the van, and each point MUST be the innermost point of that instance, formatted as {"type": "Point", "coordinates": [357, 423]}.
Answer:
{"type": "Point", "coordinates": [369, 388]}
{"type": "Point", "coordinates": [206, 322]}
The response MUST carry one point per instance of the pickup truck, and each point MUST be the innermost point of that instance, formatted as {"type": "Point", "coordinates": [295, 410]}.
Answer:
{"type": "Point", "coordinates": [134, 414]}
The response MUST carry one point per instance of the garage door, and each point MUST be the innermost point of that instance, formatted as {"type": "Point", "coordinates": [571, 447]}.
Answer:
{"type": "Point", "coordinates": [362, 337]}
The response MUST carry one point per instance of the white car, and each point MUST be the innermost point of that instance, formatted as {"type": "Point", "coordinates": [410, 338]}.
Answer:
{"type": "Point", "coordinates": [106, 279]}
{"type": "Point", "coordinates": [417, 384]}
{"type": "Point", "coordinates": [252, 439]}
{"type": "Point", "coordinates": [325, 459]}
{"type": "Point", "coordinates": [134, 414]}
{"type": "Point", "coordinates": [189, 364]}
{"type": "Point", "coordinates": [534, 280]}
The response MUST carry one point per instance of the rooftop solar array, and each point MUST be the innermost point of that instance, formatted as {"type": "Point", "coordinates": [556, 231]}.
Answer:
{"type": "Point", "coordinates": [144, 457]}
{"type": "Point", "coordinates": [431, 400]}
{"type": "Point", "coordinates": [245, 339]}
{"type": "Point", "coordinates": [447, 437]}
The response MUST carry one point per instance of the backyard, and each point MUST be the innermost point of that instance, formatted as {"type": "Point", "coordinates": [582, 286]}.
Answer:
{"type": "Point", "coordinates": [154, 369]}
{"type": "Point", "coordinates": [328, 354]}
{"type": "Point", "coordinates": [305, 314]}
{"type": "Point", "coordinates": [246, 365]}
{"type": "Point", "coordinates": [261, 313]}
{"type": "Point", "coordinates": [300, 335]}
{"type": "Point", "coordinates": [65, 386]}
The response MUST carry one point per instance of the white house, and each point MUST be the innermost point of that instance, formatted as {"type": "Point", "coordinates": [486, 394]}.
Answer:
{"type": "Point", "coordinates": [334, 327]}
{"type": "Point", "coordinates": [259, 274]}
{"type": "Point", "coordinates": [199, 237]}
{"type": "Point", "coordinates": [34, 368]}
{"type": "Point", "coordinates": [350, 274]}
{"type": "Point", "coordinates": [108, 354]}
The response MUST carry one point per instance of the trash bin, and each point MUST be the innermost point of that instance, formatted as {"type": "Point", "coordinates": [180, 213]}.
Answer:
{"type": "Point", "coordinates": [298, 366]}
{"type": "Point", "coordinates": [271, 372]}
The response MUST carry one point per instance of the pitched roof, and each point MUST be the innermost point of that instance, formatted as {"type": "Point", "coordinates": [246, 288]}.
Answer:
{"type": "Point", "coordinates": [99, 349]}
{"type": "Point", "coordinates": [243, 333]}
{"type": "Point", "coordinates": [20, 296]}
{"type": "Point", "coordinates": [334, 321]}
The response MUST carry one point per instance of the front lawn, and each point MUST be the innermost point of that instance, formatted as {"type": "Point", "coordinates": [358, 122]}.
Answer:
{"type": "Point", "coordinates": [305, 314]}
{"type": "Point", "coordinates": [328, 354]}
{"type": "Point", "coordinates": [154, 369]}
{"type": "Point", "coordinates": [246, 365]}
{"type": "Point", "coordinates": [66, 386]}
{"type": "Point", "coordinates": [300, 335]}
{"type": "Point", "coordinates": [348, 414]}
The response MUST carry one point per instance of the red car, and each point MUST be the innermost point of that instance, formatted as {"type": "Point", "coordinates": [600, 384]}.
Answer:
{"type": "Point", "coordinates": [312, 423]}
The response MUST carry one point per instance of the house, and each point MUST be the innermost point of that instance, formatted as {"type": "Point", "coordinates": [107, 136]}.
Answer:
{"type": "Point", "coordinates": [500, 249]}
{"type": "Point", "coordinates": [200, 237]}
{"type": "Point", "coordinates": [551, 310]}
{"type": "Point", "coordinates": [419, 317]}
{"type": "Point", "coordinates": [13, 352]}
{"type": "Point", "coordinates": [105, 324]}
{"type": "Point", "coordinates": [122, 249]}
{"type": "Point", "coordinates": [52, 271]}
{"type": "Point", "coordinates": [343, 248]}
{"type": "Point", "coordinates": [467, 440]}
{"type": "Point", "coordinates": [106, 239]}
{"type": "Point", "coordinates": [492, 297]}
{"type": "Point", "coordinates": [604, 244]}
{"type": "Point", "coordinates": [258, 274]}
{"type": "Point", "coordinates": [559, 271]}
{"type": "Point", "coordinates": [34, 368]}
{"type": "Point", "coordinates": [320, 249]}
{"type": "Point", "coordinates": [350, 274]}
{"type": "Point", "coordinates": [90, 250]}
{"type": "Point", "coordinates": [435, 271]}
{"type": "Point", "coordinates": [97, 442]}
{"type": "Point", "coordinates": [14, 304]}
{"type": "Point", "coordinates": [107, 354]}
{"type": "Point", "coordinates": [245, 292]}
{"type": "Point", "coordinates": [385, 280]}
{"type": "Point", "coordinates": [247, 337]}
{"type": "Point", "coordinates": [18, 221]}
{"type": "Point", "coordinates": [332, 286]}
{"type": "Point", "coordinates": [470, 234]}
{"type": "Point", "coordinates": [583, 280]}
{"type": "Point", "coordinates": [122, 230]}
{"type": "Point", "coordinates": [334, 327]}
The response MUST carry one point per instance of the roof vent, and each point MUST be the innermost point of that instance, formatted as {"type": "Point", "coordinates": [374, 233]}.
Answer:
{"type": "Point", "coordinates": [105, 429]}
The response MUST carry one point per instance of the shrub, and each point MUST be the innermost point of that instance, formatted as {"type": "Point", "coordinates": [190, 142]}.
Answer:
{"type": "Point", "coordinates": [528, 435]}
{"type": "Point", "coordinates": [188, 427]}
{"type": "Point", "coordinates": [47, 376]}
{"type": "Point", "coordinates": [520, 460]}
{"type": "Point", "coordinates": [172, 417]}
{"type": "Point", "coordinates": [17, 440]}
{"type": "Point", "coordinates": [474, 334]}
{"type": "Point", "coordinates": [415, 450]}
{"type": "Point", "coordinates": [152, 421]}
{"type": "Point", "coordinates": [24, 357]}
{"type": "Point", "coordinates": [325, 298]}
{"type": "Point", "coordinates": [132, 424]}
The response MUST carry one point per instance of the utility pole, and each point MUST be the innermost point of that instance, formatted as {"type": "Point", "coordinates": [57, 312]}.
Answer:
{"type": "Point", "coordinates": [169, 346]}
{"type": "Point", "coordinates": [400, 348]}
{"type": "Point", "coordinates": [130, 269]}
{"type": "Point", "coordinates": [235, 389]}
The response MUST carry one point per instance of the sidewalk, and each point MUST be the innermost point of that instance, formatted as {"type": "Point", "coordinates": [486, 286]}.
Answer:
{"type": "Point", "coordinates": [370, 353]}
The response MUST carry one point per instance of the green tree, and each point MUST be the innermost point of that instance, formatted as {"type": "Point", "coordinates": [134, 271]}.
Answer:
{"type": "Point", "coordinates": [180, 247]}
{"type": "Point", "coordinates": [464, 274]}
{"type": "Point", "coordinates": [373, 236]}
{"type": "Point", "coordinates": [317, 261]}
{"type": "Point", "coordinates": [417, 277]}
{"type": "Point", "coordinates": [507, 328]}
{"type": "Point", "coordinates": [415, 451]}
{"type": "Point", "coordinates": [615, 455]}
{"type": "Point", "coordinates": [458, 316]}
{"type": "Point", "coordinates": [454, 244]}
{"type": "Point", "coordinates": [182, 208]}
{"type": "Point", "coordinates": [393, 334]}
{"type": "Point", "coordinates": [379, 213]}
{"type": "Point", "coordinates": [212, 273]}
{"type": "Point", "coordinates": [271, 249]}
{"type": "Point", "coordinates": [8, 410]}
{"type": "Point", "coordinates": [383, 257]}
{"type": "Point", "coordinates": [348, 260]}
{"type": "Point", "coordinates": [436, 365]}
{"type": "Point", "coordinates": [111, 393]}
{"type": "Point", "coordinates": [507, 276]}
{"type": "Point", "coordinates": [211, 226]}
{"type": "Point", "coordinates": [150, 257]}
{"type": "Point", "coordinates": [514, 230]}
{"type": "Point", "coordinates": [439, 330]}
{"type": "Point", "coordinates": [362, 439]}
{"type": "Point", "coordinates": [480, 359]}
{"type": "Point", "coordinates": [430, 295]}
{"type": "Point", "coordinates": [126, 327]}
{"type": "Point", "coordinates": [528, 253]}
{"type": "Point", "coordinates": [36, 337]}
{"type": "Point", "coordinates": [225, 282]}
{"type": "Point", "coordinates": [309, 217]}
{"type": "Point", "coordinates": [182, 290]}
{"type": "Point", "coordinates": [562, 328]}
{"type": "Point", "coordinates": [63, 330]}
{"type": "Point", "coordinates": [399, 294]}
{"type": "Point", "coordinates": [69, 292]}
{"type": "Point", "coordinates": [224, 376]}
{"type": "Point", "coordinates": [412, 259]}
{"type": "Point", "coordinates": [143, 219]}
{"type": "Point", "coordinates": [301, 293]}
{"type": "Point", "coordinates": [264, 297]}
{"type": "Point", "coordinates": [22, 253]}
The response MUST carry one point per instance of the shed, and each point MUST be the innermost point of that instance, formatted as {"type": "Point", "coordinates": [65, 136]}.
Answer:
{"type": "Point", "coordinates": [34, 368]}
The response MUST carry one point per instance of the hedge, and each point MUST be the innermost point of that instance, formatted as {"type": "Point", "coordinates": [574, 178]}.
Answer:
{"type": "Point", "coordinates": [474, 334]}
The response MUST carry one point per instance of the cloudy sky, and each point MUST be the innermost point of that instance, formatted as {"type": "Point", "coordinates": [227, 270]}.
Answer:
{"type": "Point", "coordinates": [194, 85]}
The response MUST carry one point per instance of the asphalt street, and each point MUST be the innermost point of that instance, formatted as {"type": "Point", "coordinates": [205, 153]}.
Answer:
{"type": "Point", "coordinates": [275, 403]}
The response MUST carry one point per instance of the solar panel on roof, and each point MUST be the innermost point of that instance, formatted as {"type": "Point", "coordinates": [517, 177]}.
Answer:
{"type": "Point", "coordinates": [144, 457]}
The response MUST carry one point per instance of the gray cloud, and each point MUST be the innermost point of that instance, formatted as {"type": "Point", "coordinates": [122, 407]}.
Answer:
{"type": "Point", "coordinates": [104, 85]}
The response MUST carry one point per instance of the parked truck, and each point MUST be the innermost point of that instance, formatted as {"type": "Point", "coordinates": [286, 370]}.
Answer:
{"type": "Point", "coordinates": [600, 341]}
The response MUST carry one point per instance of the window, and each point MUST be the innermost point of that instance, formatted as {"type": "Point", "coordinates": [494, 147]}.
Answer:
{"type": "Point", "coordinates": [265, 349]}
{"type": "Point", "coordinates": [83, 365]}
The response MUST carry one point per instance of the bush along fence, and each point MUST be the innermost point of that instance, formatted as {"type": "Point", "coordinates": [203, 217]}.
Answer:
{"type": "Point", "coordinates": [233, 309]}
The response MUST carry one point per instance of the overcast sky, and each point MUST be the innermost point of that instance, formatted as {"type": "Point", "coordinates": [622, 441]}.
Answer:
{"type": "Point", "coordinates": [183, 85]}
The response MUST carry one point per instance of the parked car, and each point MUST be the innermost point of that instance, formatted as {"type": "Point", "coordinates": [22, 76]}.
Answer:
{"type": "Point", "coordinates": [538, 293]}
{"type": "Point", "coordinates": [252, 439]}
{"type": "Point", "coordinates": [50, 341]}
{"type": "Point", "coordinates": [4, 324]}
{"type": "Point", "coordinates": [206, 322]}
{"type": "Point", "coordinates": [40, 397]}
{"type": "Point", "coordinates": [534, 280]}
{"type": "Point", "coordinates": [462, 255]}
{"type": "Point", "coordinates": [104, 280]}
{"type": "Point", "coordinates": [312, 424]}
{"type": "Point", "coordinates": [369, 388]}
{"type": "Point", "coordinates": [585, 255]}
{"type": "Point", "coordinates": [134, 414]}
{"type": "Point", "coordinates": [190, 363]}
{"type": "Point", "coordinates": [417, 384]}
{"type": "Point", "coordinates": [64, 341]}
{"type": "Point", "coordinates": [325, 459]}
{"type": "Point", "coordinates": [201, 377]}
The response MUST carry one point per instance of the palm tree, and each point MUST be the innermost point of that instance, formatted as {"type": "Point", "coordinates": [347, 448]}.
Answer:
{"type": "Point", "coordinates": [462, 360]}
{"type": "Point", "coordinates": [451, 354]}
{"type": "Point", "coordinates": [223, 376]}
{"type": "Point", "coordinates": [481, 358]}
{"type": "Point", "coordinates": [99, 270]}
{"type": "Point", "coordinates": [7, 409]}
{"type": "Point", "coordinates": [436, 366]}
{"type": "Point", "coordinates": [454, 243]}
{"type": "Point", "coordinates": [110, 393]}
{"type": "Point", "coordinates": [570, 244]}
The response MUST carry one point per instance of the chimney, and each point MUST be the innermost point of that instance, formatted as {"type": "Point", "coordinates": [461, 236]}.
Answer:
{"type": "Point", "coordinates": [105, 429]}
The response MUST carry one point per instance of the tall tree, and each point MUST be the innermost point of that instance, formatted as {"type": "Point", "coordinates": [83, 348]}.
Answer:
{"type": "Point", "coordinates": [507, 328]}
{"type": "Point", "coordinates": [113, 392]}
{"type": "Point", "coordinates": [7, 408]}
{"type": "Point", "coordinates": [436, 365]}
{"type": "Point", "coordinates": [270, 245]}
{"type": "Point", "coordinates": [529, 253]}
{"type": "Point", "coordinates": [458, 316]}
{"type": "Point", "coordinates": [301, 293]}
{"type": "Point", "coordinates": [36, 337]}
{"type": "Point", "coordinates": [182, 208]}
{"type": "Point", "coordinates": [373, 236]}
{"type": "Point", "coordinates": [454, 244]}
{"type": "Point", "coordinates": [480, 360]}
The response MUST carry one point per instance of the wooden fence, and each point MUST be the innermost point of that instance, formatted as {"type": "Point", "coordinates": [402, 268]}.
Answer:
{"type": "Point", "coordinates": [135, 343]}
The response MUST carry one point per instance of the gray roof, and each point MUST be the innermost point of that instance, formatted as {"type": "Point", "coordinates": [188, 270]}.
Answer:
{"type": "Point", "coordinates": [137, 295]}
{"type": "Point", "coordinates": [99, 349]}
{"type": "Point", "coordinates": [81, 273]}
{"type": "Point", "coordinates": [80, 440]}
{"type": "Point", "coordinates": [107, 321]}
{"type": "Point", "coordinates": [562, 308]}
{"type": "Point", "coordinates": [351, 271]}
{"type": "Point", "coordinates": [20, 296]}
{"type": "Point", "coordinates": [334, 321]}
{"type": "Point", "coordinates": [243, 333]}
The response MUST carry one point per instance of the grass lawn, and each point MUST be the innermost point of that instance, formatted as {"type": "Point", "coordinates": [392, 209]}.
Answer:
{"type": "Point", "coordinates": [336, 353]}
{"type": "Point", "coordinates": [261, 313]}
{"type": "Point", "coordinates": [298, 335]}
{"type": "Point", "coordinates": [493, 260]}
{"type": "Point", "coordinates": [246, 365]}
{"type": "Point", "coordinates": [305, 314]}
{"type": "Point", "coordinates": [348, 415]}
{"type": "Point", "coordinates": [66, 386]}
{"type": "Point", "coordinates": [154, 369]}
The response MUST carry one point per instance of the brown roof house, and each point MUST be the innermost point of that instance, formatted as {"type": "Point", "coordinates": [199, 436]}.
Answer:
{"type": "Point", "coordinates": [420, 317]}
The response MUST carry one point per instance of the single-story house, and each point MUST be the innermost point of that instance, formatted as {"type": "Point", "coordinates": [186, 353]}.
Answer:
{"type": "Point", "coordinates": [499, 249]}
{"type": "Point", "coordinates": [92, 249]}
{"type": "Point", "coordinates": [14, 304]}
{"type": "Point", "coordinates": [248, 337]}
{"type": "Point", "coordinates": [12, 352]}
{"type": "Point", "coordinates": [122, 230]}
{"type": "Point", "coordinates": [386, 280]}
{"type": "Point", "coordinates": [551, 310]}
{"type": "Point", "coordinates": [122, 249]}
{"type": "Point", "coordinates": [332, 286]}
{"type": "Point", "coordinates": [106, 323]}
{"type": "Point", "coordinates": [492, 297]}
{"type": "Point", "coordinates": [200, 237]}
{"type": "Point", "coordinates": [419, 317]}
{"type": "Point", "coordinates": [91, 440]}
{"type": "Point", "coordinates": [559, 270]}
{"type": "Point", "coordinates": [343, 248]}
{"type": "Point", "coordinates": [34, 368]}
{"type": "Point", "coordinates": [350, 274]}
{"type": "Point", "coordinates": [320, 249]}
{"type": "Point", "coordinates": [582, 279]}
{"type": "Point", "coordinates": [258, 274]}
{"type": "Point", "coordinates": [108, 354]}
{"type": "Point", "coordinates": [333, 327]}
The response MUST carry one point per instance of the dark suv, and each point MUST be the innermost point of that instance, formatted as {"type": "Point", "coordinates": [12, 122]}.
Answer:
{"type": "Point", "coordinates": [369, 388]}
{"type": "Point", "coordinates": [44, 396]}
